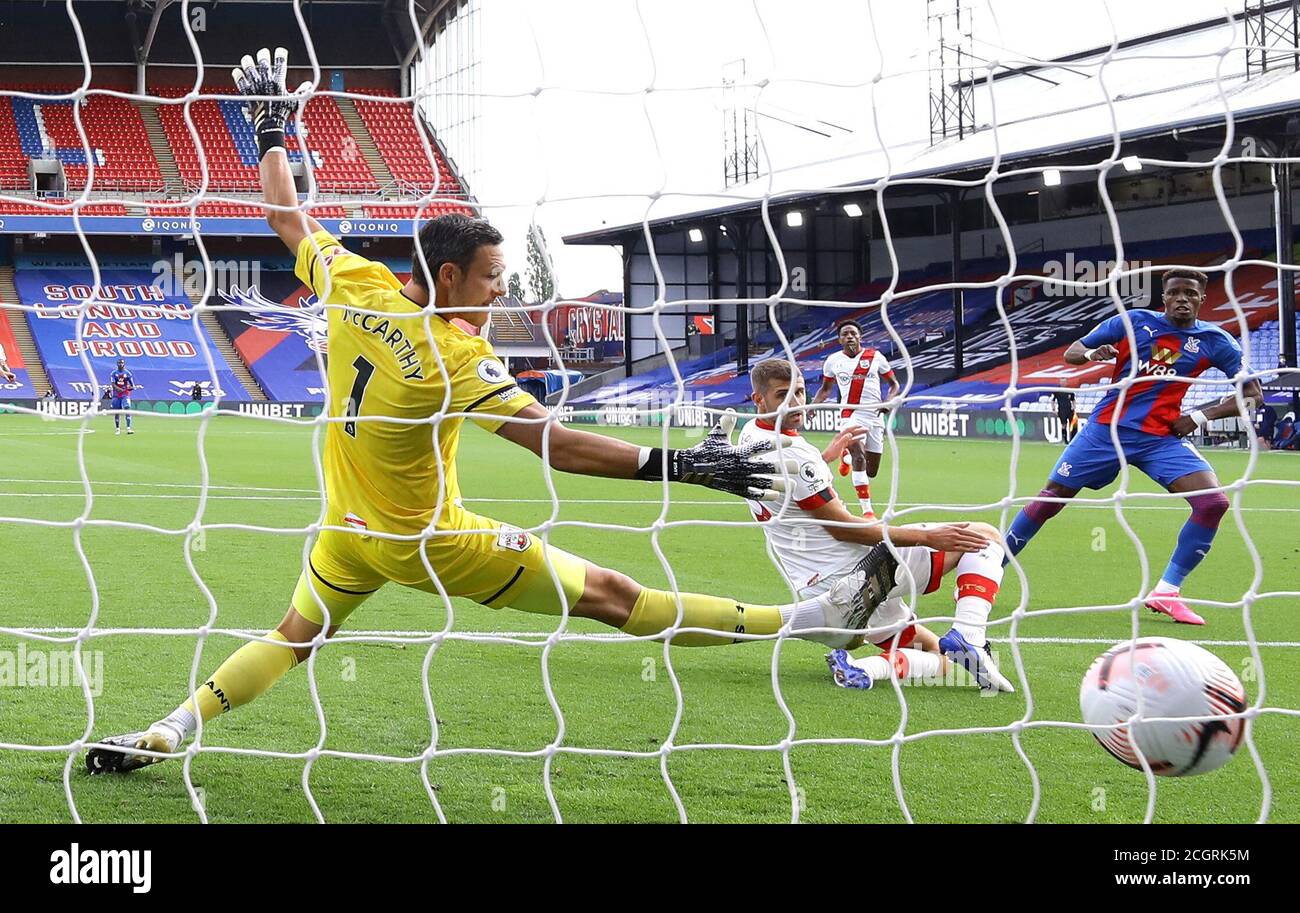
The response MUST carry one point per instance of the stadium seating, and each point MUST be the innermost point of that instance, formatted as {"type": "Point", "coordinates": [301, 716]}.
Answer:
{"type": "Point", "coordinates": [339, 165]}
{"type": "Point", "coordinates": [13, 163]}
{"type": "Point", "coordinates": [397, 138]}
{"type": "Point", "coordinates": [210, 209]}
{"type": "Point", "coordinates": [90, 209]}
{"type": "Point", "coordinates": [1042, 326]}
{"type": "Point", "coordinates": [228, 168]}
{"type": "Point", "coordinates": [408, 211]}
{"type": "Point", "coordinates": [231, 147]}
{"type": "Point", "coordinates": [123, 158]}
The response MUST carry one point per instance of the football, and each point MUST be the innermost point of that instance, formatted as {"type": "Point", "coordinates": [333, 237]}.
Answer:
{"type": "Point", "coordinates": [1188, 693]}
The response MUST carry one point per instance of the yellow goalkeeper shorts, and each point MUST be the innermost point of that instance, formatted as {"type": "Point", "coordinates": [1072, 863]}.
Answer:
{"type": "Point", "coordinates": [476, 557]}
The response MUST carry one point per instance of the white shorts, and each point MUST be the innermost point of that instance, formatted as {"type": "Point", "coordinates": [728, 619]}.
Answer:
{"type": "Point", "coordinates": [919, 572]}
{"type": "Point", "coordinates": [874, 439]}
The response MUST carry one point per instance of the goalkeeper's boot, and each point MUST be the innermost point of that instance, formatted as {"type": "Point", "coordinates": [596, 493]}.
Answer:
{"type": "Point", "coordinates": [1172, 605]}
{"type": "Point", "coordinates": [160, 737]}
{"type": "Point", "coordinates": [845, 674]}
{"type": "Point", "coordinates": [855, 596]}
{"type": "Point", "coordinates": [978, 661]}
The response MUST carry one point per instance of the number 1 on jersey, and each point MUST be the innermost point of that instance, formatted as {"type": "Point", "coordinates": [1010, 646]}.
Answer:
{"type": "Point", "coordinates": [364, 372]}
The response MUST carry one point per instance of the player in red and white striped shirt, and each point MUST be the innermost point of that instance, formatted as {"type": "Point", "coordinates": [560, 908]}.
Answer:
{"type": "Point", "coordinates": [858, 371]}
{"type": "Point", "coordinates": [816, 543]}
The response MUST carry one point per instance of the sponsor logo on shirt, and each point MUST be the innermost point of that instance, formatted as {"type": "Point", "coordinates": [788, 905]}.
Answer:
{"type": "Point", "coordinates": [1164, 355]}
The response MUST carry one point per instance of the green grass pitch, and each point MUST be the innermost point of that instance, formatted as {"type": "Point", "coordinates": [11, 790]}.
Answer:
{"type": "Point", "coordinates": [611, 695]}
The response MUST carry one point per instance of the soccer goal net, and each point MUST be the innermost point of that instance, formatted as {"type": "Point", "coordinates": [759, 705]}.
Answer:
{"type": "Point", "coordinates": [971, 193]}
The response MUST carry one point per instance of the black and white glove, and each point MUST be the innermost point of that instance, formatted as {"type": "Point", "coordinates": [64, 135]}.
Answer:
{"type": "Point", "coordinates": [715, 463]}
{"type": "Point", "coordinates": [265, 76]}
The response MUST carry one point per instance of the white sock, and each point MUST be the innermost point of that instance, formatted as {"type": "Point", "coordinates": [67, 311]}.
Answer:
{"type": "Point", "coordinates": [911, 665]}
{"type": "Point", "coordinates": [1164, 586]}
{"type": "Point", "coordinates": [811, 613]}
{"type": "Point", "coordinates": [979, 575]}
{"type": "Point", "coordinates": [183, 721]}
{"type": "Point", "coordinates": [875, 666]}
{"type": "Point", "coordinates": [862, 485]}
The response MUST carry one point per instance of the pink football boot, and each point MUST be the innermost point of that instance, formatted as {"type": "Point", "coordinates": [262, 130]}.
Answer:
{"type": "Point", "coordinates": [1169, 604]}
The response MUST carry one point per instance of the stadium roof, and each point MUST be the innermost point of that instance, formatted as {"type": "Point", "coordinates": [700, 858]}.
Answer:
{"type": "Point", "coordinates": [370, 33]}
{"type": "Point", "coordinates": [1160, 89]}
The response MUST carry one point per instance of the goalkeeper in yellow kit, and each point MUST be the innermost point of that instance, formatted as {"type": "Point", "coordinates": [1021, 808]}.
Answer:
{"type": "Point", "coordinates": [402, 380]}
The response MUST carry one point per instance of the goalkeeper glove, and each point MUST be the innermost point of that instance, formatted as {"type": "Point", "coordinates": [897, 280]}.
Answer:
{"type": "Point", "coordinates": [266, 77]}
{"type": "Point", "coordinates": [716, 463]}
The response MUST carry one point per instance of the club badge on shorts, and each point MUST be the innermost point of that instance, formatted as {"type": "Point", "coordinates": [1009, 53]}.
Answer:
{"type": "Point", "coordinates": [513, 539]}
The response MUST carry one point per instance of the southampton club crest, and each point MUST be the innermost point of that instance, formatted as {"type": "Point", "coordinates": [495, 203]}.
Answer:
{"type": "Point", "coordinates": [283, 318]}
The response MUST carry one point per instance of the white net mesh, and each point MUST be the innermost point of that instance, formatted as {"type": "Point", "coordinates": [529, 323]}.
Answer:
{"type": "Point", "coordinates": [663, 746]}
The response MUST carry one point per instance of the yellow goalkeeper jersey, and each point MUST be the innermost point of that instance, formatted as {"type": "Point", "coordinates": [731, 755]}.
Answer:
{"type": "Point", "coordinates": [384, 361]}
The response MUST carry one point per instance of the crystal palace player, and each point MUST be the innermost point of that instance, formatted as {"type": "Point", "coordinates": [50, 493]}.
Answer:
{"type": "Point", "coordinates": [817, 542]}
{"type": "Point", "coordinates": [121, 384]}
{"type": "Point", "coordinates": [1150, 425]}
{"type": "Point", "coordinates": [394, 507]}
{"type": "Point", "coordinates": [858, 372]}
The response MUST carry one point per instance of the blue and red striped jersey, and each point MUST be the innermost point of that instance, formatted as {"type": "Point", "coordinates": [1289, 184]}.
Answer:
{"type": "Point", "coordinates": [1163, 351]}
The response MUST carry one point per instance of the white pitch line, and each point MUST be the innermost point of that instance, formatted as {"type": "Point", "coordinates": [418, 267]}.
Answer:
{"type": "Point", "coordinates": [43, 433]}
{"type": "Point", "coordinates": [188, 485]}
{"type": "Point", "coordinates": [617, 636]}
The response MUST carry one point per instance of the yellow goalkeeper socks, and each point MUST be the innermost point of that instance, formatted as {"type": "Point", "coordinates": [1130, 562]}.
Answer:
{"type": "Point", "coordinates": [656, 610]}
{"type": "Point", "coordinates": [249, 671]}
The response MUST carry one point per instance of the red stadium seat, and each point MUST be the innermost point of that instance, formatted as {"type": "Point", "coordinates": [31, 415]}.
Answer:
{"type": "Point", "coordinates": [392, 125]}
{"type": "Point", "coordinates": [407, 211]}
{"type": "Point", "coordinates": [113, 129]}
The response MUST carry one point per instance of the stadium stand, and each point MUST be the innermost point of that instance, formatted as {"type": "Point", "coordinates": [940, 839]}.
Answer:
{"type": "Point", "coordinates": [159, 338]}
{"type": "Point", "coordinates": [1043, 326]}
{"type": "Point", "coordinates": [227, 138]}
{"type": "Point", "coordinates": [237, 210]}
{"type": "Point", "coordinates": [339, 163]}
{"type": "Point", "coordinates": [114, 129]}
{"type": "Point", "coordinates": [58, 206]}
{"type": "Point", "coordinates": [397, 139]}
{"type": "Point", "coordinates": [409, 211]}
{"type": "Point", "coordinates": [13, 163]}
{"type": "Point", "coordinates": [229, 167]}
